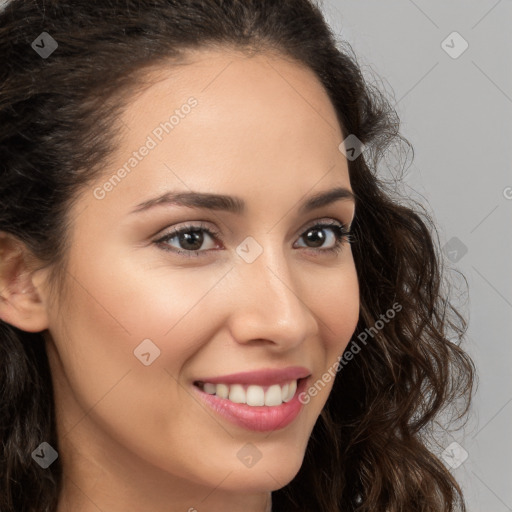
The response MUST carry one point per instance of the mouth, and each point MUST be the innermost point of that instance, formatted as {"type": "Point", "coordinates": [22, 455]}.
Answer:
{"type": "Point", "coordinates": [255, 407]}
{"type": "Point", "coordinates": [251, 394]}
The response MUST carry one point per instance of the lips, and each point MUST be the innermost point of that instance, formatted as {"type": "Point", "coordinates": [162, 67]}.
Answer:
{"type": "Point", "coordinates": [263, 377]}
{"type": "Point", "coordinates": [261, 400]}
{"type": "Point", "coordinates": [251, 394]}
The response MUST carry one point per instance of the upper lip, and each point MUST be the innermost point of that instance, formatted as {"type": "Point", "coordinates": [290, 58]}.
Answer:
{"type": "Point", "coordinates": [263, 377]}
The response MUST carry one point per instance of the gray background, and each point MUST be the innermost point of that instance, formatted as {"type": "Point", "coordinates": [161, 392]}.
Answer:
{"type": "Point", "coordinates": [456, 113]}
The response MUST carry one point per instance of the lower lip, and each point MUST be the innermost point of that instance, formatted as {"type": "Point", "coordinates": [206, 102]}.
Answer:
{"type": "Point", "coordinates": [258, 418]}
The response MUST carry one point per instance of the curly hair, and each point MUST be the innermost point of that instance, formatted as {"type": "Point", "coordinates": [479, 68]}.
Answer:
{"type": "Point", "coordinates": [368, 450]}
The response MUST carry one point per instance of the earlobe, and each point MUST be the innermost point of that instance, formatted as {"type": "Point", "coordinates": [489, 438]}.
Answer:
{"type": "Point", "coordinates": [21, 301]}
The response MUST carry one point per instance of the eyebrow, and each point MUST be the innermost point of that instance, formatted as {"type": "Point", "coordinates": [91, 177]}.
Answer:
{"type": "Point", "coordinates": [236, 205]}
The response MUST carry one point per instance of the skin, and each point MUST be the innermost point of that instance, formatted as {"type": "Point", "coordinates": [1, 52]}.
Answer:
{"type": "Point", "coordinates": [132, 437]}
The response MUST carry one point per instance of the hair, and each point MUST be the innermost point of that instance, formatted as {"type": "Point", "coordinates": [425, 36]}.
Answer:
{"type": "Point", "coordinates": [369, 449]}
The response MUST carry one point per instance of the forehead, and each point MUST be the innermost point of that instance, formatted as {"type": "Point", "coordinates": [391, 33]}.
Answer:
{"type": "Point", "coordinates": [237, 95]}
{"type": "Point", "coordinates": [222, 121]}
{"type": "Point", "coordinates": [262, 77]}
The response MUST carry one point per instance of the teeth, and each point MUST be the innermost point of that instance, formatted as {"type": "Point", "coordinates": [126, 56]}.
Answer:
{"type": "Point", "coordinates": [291, 391]}
{"type": "Point", "coordinates": [221, 390]}
{"type": "Point", "coordinates": [210, 388]}
{"type": "Point", "coordinates": [286, 389]}
{"type": "Point", "coordinates": [274, 395]}
{"type": "Point", "coordinates": [237, 394]}
{"type": "Point", "coordinates": [253, 395]}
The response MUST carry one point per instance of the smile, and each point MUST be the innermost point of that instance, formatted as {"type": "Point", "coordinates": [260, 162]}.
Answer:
{"type": "Point", "coordinates": [252, 395]}
{"type": "Point", "coordinates": [252, 406]}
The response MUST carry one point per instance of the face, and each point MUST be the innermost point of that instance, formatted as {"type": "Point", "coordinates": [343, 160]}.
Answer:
{"type": "Point", "coordinates": [144, 344]}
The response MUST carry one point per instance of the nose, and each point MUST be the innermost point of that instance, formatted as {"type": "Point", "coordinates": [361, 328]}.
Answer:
{"type": "Point", "coordinates": [272, 303]}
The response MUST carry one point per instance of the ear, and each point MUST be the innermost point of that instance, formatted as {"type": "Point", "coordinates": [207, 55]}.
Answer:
{"type": "Point", "coordinates": [21, 299]}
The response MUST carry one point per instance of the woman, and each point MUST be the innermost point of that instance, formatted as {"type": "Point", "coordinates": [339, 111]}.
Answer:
{"type": "Point", "coordinates": [209, 301]}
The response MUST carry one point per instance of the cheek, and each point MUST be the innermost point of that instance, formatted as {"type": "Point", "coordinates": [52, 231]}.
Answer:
{"type": "Point", "coordinates": [336, 302]}
{"type": "Point", "coordinates": [337, 306]}
{"type": "Point", "coordinates": [130, 301]}
{"type": "Point", "coordinates": [120, 299]}
{"type": "Point", "coordinates": [113, 316]}
{"type": "Point", "coordinates": [113, 307]}
{"type": "Point", "coordinates": [116, 307]}
{"type": "Point", "coordinates": [105, 317]}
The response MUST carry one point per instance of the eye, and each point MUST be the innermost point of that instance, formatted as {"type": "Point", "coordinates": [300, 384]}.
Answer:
{"type": "Point", "coordinates": [315, 235]}
{"type": "Point", "coordinates": [189, 239]}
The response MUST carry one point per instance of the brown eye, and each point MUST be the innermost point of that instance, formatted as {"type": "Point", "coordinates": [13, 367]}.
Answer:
{"type": "Point", "coordinates": [189, 240]}
{"type": "Point", "coordinates": [334, 233]}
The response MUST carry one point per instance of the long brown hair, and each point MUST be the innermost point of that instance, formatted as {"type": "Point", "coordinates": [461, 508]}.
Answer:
{"type": "Point", "coordinates": [367, 452]}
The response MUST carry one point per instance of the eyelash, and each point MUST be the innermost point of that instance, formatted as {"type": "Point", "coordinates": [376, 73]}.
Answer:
{"type": "Point", "coordinates": [340, 232]}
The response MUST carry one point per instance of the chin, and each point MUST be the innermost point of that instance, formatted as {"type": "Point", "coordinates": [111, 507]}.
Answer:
{"type": "Point", "coordinates": [266, 475]}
